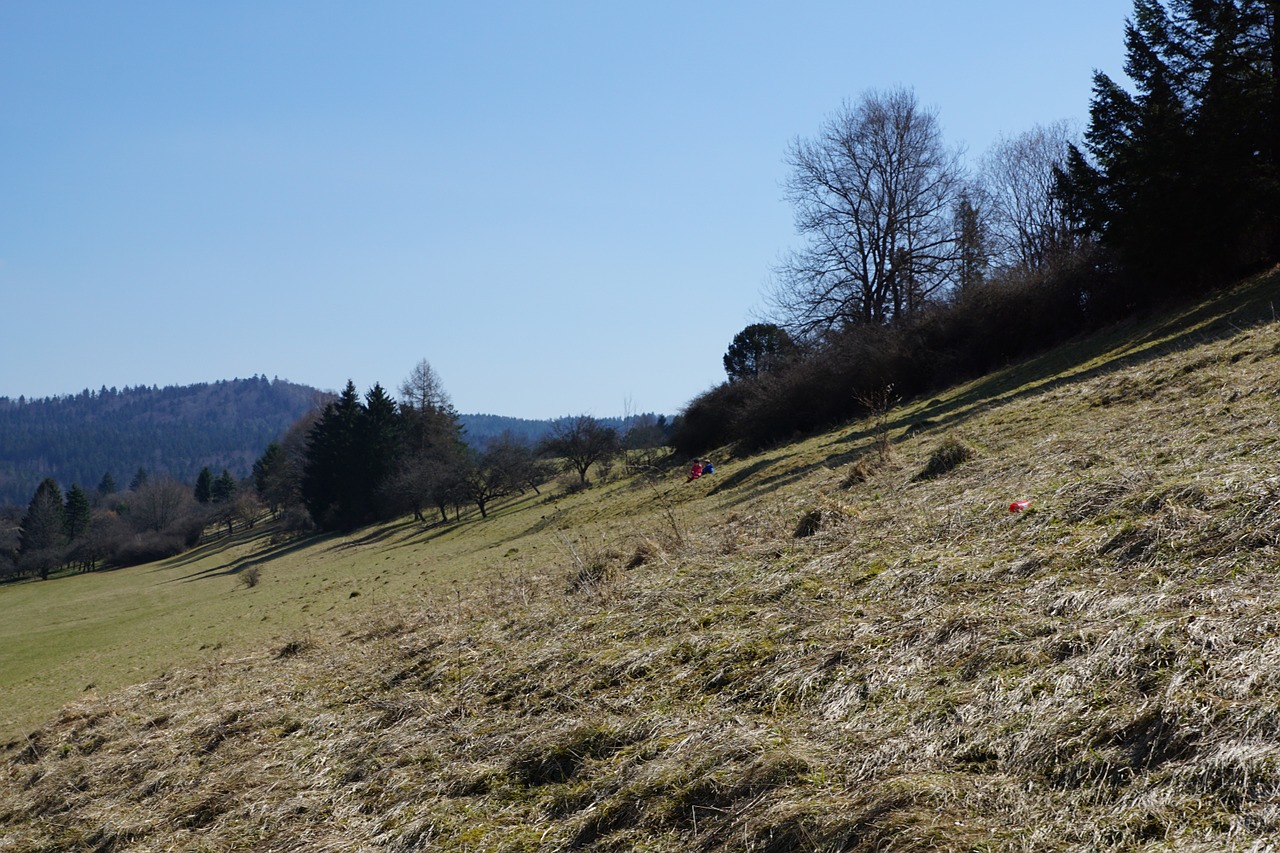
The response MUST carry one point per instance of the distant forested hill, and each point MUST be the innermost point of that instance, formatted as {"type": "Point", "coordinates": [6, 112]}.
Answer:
{"type": "Point", "coordinates": [173, 431]}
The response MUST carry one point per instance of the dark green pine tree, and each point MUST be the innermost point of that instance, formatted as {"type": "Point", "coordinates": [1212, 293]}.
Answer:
{"type": "Point", "coordinates": [107, 485]}
{"type": "Point", "coordinates": [264, 465]}
{"type": "Point", "coordinates": [1178, 179]}
{"type": "Point", "coordinates": [223, 489]}
{"type": "Point", "coordinates": [41, 538]}
{"type": "Point", "coordinates": [757, 349]}
{"type": "Point", "coordinates": [380, 444]}
{"type": "Point", "coordinates": [204, 486]}
{"type": "Point", "coordinates": [271, 477]}
{"type": "Point", "coordinates": [139, 480]}
{"type": "Point", "coordinates": [77, 514]}
{"type": "Point", "coordinates": [331, 467]}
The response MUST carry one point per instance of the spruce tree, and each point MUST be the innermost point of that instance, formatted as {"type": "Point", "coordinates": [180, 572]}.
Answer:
{"type": "Point", "coordinates": [331, 471]}
{"type": "Point", "coordinates": [41, 538]}
{"type": "Point", "coordinates": [77, 514]}
{"type": "Point", "coordinates": [1179, 178]}
{"type": "Point", "coordinates": [223, 489]}
{"type": "Point", "coordinates": [204, 486]}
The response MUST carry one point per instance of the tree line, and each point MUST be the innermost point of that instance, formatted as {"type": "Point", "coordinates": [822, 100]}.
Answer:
{"type": "Point", "coordinates": [363, 459]}
{"type": "Point", "coordinates": [84, 530]}
{"type": "Point", "coordinates": [916, 271]}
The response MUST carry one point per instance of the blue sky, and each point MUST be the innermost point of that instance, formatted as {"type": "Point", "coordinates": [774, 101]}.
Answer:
{"type": "Point", "coordinates": [566, 207]}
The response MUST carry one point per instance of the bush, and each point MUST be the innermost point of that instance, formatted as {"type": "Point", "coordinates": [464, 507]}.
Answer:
{"type": "Point", "coordinates": [147, 548]}
{"type": "Point", "coordinates": [982, 329]}
{"type": "Point", "coordinates": [949, 455]}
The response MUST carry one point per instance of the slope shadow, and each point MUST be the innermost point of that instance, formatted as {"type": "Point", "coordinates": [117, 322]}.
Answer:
{"type": "Point", "coordinates": [1245, 307]}
{"type": "Point", "coordinates": [1212, 321]}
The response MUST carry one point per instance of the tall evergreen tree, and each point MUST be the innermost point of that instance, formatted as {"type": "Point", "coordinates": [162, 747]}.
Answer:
{"type": "Point", "coordinates": [42, 538]}
{"type": "Point", "coordinates": [271, 478]}
{"type": "Point", "coordinates": [204, 486]}
{"type": "Point", "coordinates": [332, 473]}
{"type": "Point", "coordinates": [223, 489]}
{"type": "Point", "coordinates": [107, 485]}
{"type": "Point", "coordinates": [1178, 179]}
{"type": "Point", "coordinates": [380, 434]}
{"type": "Point", "coordinates": [77, 514]}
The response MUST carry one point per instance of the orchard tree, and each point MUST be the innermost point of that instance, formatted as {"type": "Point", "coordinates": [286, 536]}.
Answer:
{"type": "Point", "coordinates": [161, 505]}
{"type": "Point", "coordinates": [582, 441]}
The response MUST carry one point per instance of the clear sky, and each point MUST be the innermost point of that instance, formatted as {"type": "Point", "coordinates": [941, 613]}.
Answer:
{"type": "Point", "coordinates": [566, 207]}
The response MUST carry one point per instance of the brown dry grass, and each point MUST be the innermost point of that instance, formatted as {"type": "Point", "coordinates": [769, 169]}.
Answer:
{"type": "Point", "coordinates": [920, 670]}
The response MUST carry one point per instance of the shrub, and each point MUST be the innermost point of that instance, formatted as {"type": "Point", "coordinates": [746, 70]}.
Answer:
{"type": "Point", "coordinates": [948, 455]}
{"type": "Point", "coordinates": [147, 548]}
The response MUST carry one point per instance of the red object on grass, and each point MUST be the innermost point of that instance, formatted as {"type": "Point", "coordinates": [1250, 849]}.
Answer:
{"type": "Point", "coordinates": [1019, 506]}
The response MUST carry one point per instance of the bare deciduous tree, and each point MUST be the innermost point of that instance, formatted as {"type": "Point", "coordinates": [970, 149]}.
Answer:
{"type": "Point", "coordinates": [874, 195]}
{"type": "Point", "coordinates": [1029, 223]}
{"type": "Point", "coordinates": [581, 441]}
{"type": "Point", "coordinates": [423, 390]}
{"type": "Point", "coordinates": [160, 504]}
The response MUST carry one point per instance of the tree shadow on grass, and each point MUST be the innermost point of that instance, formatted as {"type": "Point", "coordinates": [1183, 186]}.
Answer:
{"type": "Point", "coordinates": [213, 545]}
{"type": "Point", "coordinates": [258, 558]}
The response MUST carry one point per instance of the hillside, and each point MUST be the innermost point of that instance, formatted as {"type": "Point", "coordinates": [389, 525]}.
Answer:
{"type": "Point", "coordinates": [822, 647]}
{"type": "Point", "coordinates": [173, 431]}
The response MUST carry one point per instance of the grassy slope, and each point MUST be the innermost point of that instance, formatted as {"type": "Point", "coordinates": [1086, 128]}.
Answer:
{"type": "Point", "coordinates": [925, 671]}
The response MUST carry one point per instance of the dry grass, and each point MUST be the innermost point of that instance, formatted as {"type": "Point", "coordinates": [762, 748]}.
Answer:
{"type": "Point", "coordinates": [920, 670]}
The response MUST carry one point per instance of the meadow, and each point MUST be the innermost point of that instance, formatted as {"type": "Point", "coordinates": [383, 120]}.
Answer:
{"type": "Point", "coordinates": [849, 642]}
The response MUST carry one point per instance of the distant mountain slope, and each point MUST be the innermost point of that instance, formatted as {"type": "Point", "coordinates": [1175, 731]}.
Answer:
{"type": "Point", "coordinates": [173, 431]}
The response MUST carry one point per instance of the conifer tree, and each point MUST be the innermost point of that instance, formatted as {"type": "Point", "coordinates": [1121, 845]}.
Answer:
{"type": "Point", "coordinates": [223, 489]}
{"type": "Point", "coordinates": [41, 538]}
{"type": "Point", "coordinates": [331, 473]}
{"type": "Point", "coordinates": [77, 514]}
{"type": "Point", "coordinates": [1179, 178]}
{"type": "Point", "coordinates": [204, 486]}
